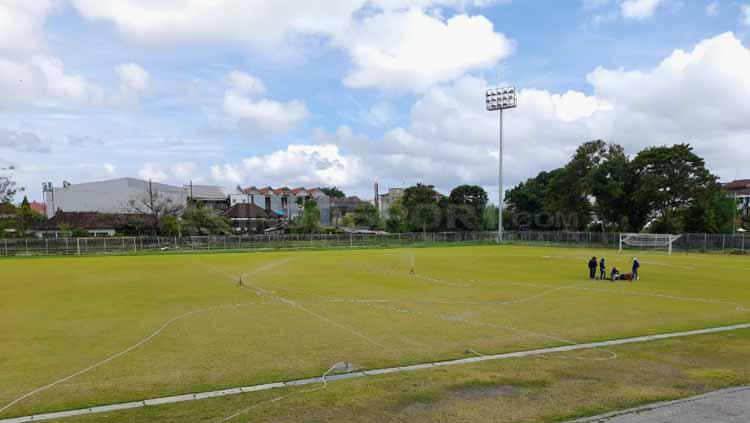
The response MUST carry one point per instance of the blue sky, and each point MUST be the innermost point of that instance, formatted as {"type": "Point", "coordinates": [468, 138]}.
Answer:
{"type": "Point", "coordinates": [349, 92]}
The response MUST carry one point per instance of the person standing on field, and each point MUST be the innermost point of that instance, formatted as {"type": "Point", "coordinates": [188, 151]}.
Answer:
{"type": "Point", "coordinates": [602, 269]}
{"type": "Point", "coordinates": [592, 268]}
{"type": "Point", "coordinates": [636, 266]}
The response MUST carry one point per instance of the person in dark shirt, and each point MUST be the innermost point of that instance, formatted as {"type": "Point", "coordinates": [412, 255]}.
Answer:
{"type": "Point", "coordinates": [602, 269]}
{"type": "Point", "coordinates": [592, 268]}
{"type": "Point", "coordinates": [615, 274]}
{"type": "Point", "coordinates": [636, 266]}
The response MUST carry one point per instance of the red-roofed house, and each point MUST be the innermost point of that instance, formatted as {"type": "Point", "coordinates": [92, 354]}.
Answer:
{"type": "Point", "coordinates": [40, 208]}
{"type": "Point", "coordinates": [284, 201]}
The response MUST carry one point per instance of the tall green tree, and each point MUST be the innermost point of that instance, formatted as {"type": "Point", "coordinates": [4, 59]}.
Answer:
{"type": "Point", "coordinates": [610, 182]}
{"type": "Point", "coordinates": [668, 179]}
{"type": "Point", "coordinates": [334, 192]}
{"type": "Point", "coordinates": [527, 203]}
{"type": "Point", "coordinates": [422, 209]}
{"type": "Point", "coordinates": [711, 211]}
{"type": "Point", "coordinates": [309, 221]}
{"type": "Point", "coordinates": [27, 217]}
{"type": "Point", "coordinates": [200, 220]}
{"type": "Point", "coordinates": [466, 204]}
{"type": "Point", "coordinates": [397, 220]}
{"type": "Point", "coordinates": [569, 190]}
{"type": "Point", "coordinates": [490, 219]}
{"type": "Point", "coordinates": [367, 215]}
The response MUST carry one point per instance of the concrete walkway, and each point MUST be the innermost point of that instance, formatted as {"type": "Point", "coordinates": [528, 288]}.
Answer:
{"type": "Point", "coordinates": [725, 406]}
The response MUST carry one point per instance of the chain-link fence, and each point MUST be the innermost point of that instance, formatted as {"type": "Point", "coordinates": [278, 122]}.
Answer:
{"type": "Point", "coordinates": [131, 245]}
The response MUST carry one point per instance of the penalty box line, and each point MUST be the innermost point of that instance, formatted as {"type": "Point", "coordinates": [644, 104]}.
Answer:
{"type": "Point", "coordinates": [360, 374]}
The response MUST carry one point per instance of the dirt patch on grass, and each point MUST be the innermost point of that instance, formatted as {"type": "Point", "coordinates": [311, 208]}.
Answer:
{"type": "Point", "coordinates": [483, 391]}
{"type": "Point", "coordinates": [416, 408]}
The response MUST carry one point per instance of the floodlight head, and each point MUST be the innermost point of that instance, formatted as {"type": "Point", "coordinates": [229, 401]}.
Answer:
{"type": "Point", "coordinates": [501, 98]}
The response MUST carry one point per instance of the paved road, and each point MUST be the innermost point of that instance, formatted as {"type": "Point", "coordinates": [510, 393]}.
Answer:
{"type": "Point", "coordinates": [725, 406]}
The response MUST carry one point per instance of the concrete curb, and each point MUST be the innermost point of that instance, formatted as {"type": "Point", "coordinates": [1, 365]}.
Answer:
{"type": "Point", "coordinates": [314, 380]}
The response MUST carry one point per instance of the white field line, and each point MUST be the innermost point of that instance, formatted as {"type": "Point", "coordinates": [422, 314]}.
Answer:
{"type": "Point", "coordinates": [374, 372]}
{"type": "Point", "coordinates": [738, 306]}
{"type": "Point", "coordinates": [246, 409]}
{"type": "Point", "coordinates": [260, 291]}
{"type": "Point", "coordinates": [119, 354]}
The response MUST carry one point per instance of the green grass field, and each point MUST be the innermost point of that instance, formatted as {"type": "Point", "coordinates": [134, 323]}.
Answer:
{"type": "Point", "coordinates": [300, 312]}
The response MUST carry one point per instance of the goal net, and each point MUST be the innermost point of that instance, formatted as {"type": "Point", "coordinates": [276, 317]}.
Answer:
{"type": "Point", "coordinates": [648, 241]}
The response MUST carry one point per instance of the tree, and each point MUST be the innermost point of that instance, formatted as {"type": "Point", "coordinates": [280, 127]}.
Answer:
{"type": "Point", "coordinates": [309, 222]}
{"type": "Point", "coordinates": [367, 215]}
{"type": "Point", "coordinates": [527, 203]}
{"type": "Point", "coordinates": [397, 221]}
{"type": "Point", "coordinates": [200, 220]}
{"type": "Point", "coordinates": [334, 192]}
{"type": "Point", "coordinates": [27, 217]}
{"type": "Point", "coordinates": [171, 225]}
{"type": "Point", "coordinates": [421, 205]}
{"type": "Point", "coordinates": [8, 187]}
{"type": "Point", "coordinates": [490, 218]}
{"type": "Point", "coordinates": [568, 191]}
{"type": "Point", "coordinates": [466, 205]}
{"type": "Point", "coordinates": [611, 184]}
{"type": "Point", "coordinates": [711, 212]}
{"type": "Point", "coordinates": [155, 203]}
{"type": "Point", "coordinates": [668, 179]}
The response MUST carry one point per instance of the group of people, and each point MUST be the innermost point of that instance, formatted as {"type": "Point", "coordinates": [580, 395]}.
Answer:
{"type": "Point", "coordinates": [615, 275]}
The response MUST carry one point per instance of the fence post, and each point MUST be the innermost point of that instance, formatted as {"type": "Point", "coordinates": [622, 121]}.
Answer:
{"type": "Point", "coordinates": [705, 242]}
{"type": "Point", "coordinates": [6, 246]}
{"type": "Point", "coordinates": [27, 246]}
{"type": "Point", "coordinates": [46, 245]}
{"type": "Point", "coordinates": [78, 246]}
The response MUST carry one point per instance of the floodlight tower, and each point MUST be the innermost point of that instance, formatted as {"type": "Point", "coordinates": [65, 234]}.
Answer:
{"type": "Point", "coordinates": [500, 99]}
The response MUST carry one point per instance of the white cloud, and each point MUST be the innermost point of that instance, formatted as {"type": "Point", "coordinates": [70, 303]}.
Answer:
{"type": "Point", "coordinates": [379, 115]}
{"type": "Point", "coordinates": [411, 50]}
{"type": "Point", "coordinates": [42, 81]}
{"type": "Point", "coordinates": [28, 73]}
{"type": "Point", "coordinates": [153, 172]}
{"type": "Point", "coordinates": [712, 9]}
{"type": "Point", "coordinates": [639, 9]}
{"type": "Point", "coordinates": [244, 83]}
{"type": "Point", "coordinates": [134, 80]}
{"type": "Point", "coordinates": [698, 96]}
{"type": "Point", "coordinates": [745, 14]}
{"type": "Point", "coordinates": [264, 24]}
{"type": "Point", "coordinates": [260, 115]}
{"type": "Point", "coordinates": [186, 171]}
{"type": "Point", "coordinates": [23, 141]}
{"type": "Point", "coordinates": [264, 115]}
{"type": "Point", "coordinates": [306, 165]}
{"type": "Point", "coordinates": [21, 24]}
{"type": "Point", "coordinates": [393, 44]}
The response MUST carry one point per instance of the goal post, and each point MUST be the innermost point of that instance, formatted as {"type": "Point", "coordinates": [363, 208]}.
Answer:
{"type": "Point", "coordinates": [648, 241]}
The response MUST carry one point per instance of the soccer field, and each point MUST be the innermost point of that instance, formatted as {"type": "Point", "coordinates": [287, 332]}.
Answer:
{"type": "Point", "coordinates": [192, 323]}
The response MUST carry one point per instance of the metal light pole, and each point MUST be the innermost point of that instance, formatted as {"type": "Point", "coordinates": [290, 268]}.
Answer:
{"type": "Point", "coordinates": [500, 99]}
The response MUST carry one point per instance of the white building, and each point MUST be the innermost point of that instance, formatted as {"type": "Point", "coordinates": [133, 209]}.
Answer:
{"type": "Point", "coordinates": [122, 195]}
